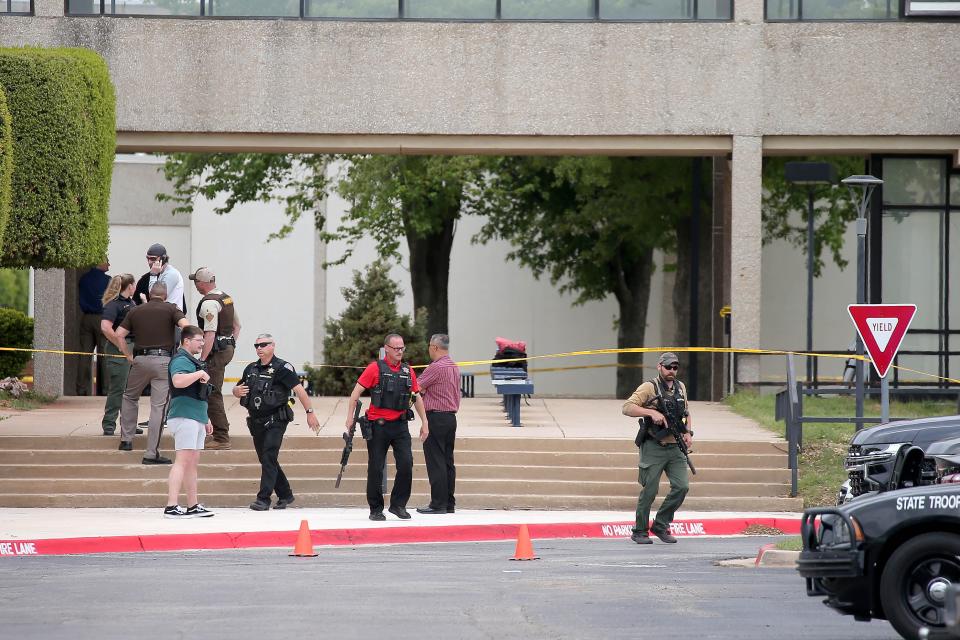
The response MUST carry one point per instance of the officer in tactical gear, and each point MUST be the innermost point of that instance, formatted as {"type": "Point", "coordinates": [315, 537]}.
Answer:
{"type": "Point", "coordinates": [218, 319]}
{"type": "Point", "coordinates": [264, 390]}
{"type": "Point", "coordinates": [392, 385]}
{"type": "Point", "coordinates": [652, 402]}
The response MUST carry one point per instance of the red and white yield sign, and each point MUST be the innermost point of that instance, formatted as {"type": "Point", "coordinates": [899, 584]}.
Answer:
{"type": "Point", "coordinates": [882, 327]}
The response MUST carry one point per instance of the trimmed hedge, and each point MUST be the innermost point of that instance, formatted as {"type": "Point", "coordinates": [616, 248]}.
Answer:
{"type": "Point", "coordinates": [17, 331]}
{"type": "Point", "coordinates": [6, 164]}
{"type": "Point", "coordinates": [62, 109]}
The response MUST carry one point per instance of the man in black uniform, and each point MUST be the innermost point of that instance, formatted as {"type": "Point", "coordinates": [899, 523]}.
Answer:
{"type": "Point", "coordinates": [217, 317]}
{"type": "Point", "coordinates": [264, 390]}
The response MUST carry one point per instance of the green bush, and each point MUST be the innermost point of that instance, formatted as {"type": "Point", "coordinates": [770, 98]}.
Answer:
{"type": "Point", "coordinates": [62, 112]}
{"type": "Point", "coordinates": [356, 337]}
{"type": "Point", "coordinates": [6, 164]}
{"type": "Point", "coordinates": [15, 289]}
{"type": "Point", "coordinates": [17, 331]}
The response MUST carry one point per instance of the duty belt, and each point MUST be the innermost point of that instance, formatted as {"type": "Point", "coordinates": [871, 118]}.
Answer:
{"type": "Point", "coordinates": [227, 340]}
{"type": "Point", "coordinates": [151, 352]}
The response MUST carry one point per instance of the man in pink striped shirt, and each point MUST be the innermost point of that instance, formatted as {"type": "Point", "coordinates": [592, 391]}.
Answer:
{"type": "Point", "coordinates": [440, 388]}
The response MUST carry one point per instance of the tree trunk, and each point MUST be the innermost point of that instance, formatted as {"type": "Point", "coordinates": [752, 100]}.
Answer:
{"type": "Point", "coordinates": [694, 237]}
{"type": "Point", "coordinates": [633, 295]}
{"type": "Point", "coordinates": [430, 273]}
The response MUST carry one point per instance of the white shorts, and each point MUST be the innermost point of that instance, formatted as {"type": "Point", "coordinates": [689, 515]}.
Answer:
{"type": "Point", "coordinates": [187, 433]}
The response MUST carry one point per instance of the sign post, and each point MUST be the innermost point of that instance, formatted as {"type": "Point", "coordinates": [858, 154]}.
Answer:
{"type": "Point", "coordinates": [881, 328]}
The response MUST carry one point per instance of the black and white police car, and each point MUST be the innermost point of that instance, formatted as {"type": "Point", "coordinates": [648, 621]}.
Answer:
{"type": "Point", "coordinates": [893, 555]}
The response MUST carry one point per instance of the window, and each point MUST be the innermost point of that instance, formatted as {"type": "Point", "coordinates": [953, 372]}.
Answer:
{"type": "Point", "coordinates": [16, 7]}
{"type": "Point", "coordinates": [832, 9]}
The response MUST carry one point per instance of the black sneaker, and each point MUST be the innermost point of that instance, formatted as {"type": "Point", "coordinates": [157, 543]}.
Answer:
{"type": "Point", "coordinates": [283, 502]}
{"type": "Point", "coordinates": [664, 536]}
{"type": "Point", "coordinates": [377, 516]}
{"type": "Point", "coordinates": [125, 446]}
{"type": "Point", "coordinates": [641, 538]}
{"type": "Point", "coordinates": [199, 511]}
{"type": "Point", "coordinates": [176, 512]}
{"type": "Point", "coordinates": [157, 460]}
{"type": "Point", "coordinates": [107, 431]}
{"type": "Point", "coordinates": [259, 505]}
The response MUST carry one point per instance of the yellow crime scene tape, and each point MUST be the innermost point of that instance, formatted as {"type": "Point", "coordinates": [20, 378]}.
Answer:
{"type": "Point", "coordinates": [573, 354]}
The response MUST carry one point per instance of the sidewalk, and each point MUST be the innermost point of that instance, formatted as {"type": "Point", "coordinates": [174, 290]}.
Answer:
{"type": "Point", "coordinates": [84, 531]}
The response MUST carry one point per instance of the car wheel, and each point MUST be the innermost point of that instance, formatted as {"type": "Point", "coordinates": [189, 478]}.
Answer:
{"type": "Point", "coordinates": [915, 580]}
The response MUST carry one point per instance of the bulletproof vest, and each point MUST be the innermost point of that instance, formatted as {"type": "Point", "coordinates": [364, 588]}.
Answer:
{"type": "Point", "coordinates": [264, 396]}
{"type": "Point", "coordinates": [670, 404]}
{"type": "Point", "coordinates": [125, 305]}
{"type": "Point", "coordinates": [195, 390]}
{"type": "Point", "coordinates": [393, 387]}
{"type": "Point", "coordinates": [224, 318]}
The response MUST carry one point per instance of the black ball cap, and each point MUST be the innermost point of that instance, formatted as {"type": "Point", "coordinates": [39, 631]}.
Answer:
{"type": "Point", "coordinates": [157, 250]}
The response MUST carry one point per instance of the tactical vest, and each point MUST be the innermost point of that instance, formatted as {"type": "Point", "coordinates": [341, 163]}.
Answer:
{"type": "Point", "coordinates": [393, 388]}
{"type": "Point", "coordinates": [224, 318]}
{"type": "Point", "coordinates": [264, 398]}
{"type": "Point", "coordinates": [670, 404]}
{"type": "Point", "coordinates": [195, 390]}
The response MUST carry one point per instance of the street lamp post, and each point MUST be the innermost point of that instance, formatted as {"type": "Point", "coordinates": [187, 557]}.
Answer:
{"type": "Point", "coordinates": [811, 175]}
{"type": "Point", "coordinates": [861, 188]}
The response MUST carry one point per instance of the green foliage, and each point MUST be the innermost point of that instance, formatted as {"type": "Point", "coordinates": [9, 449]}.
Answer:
{"type": "Point", "coordinates": [833, 209]}
{"type": "Point", "coordinates": [61, 104]}
{"type": "Point", "coordinates": [15, 289]}
{"type": "Point", "coordinates": [584, 221]}
{"type": "Point", "coordinates": [17, 331]}
{"type": "Point", "coordinates": [6, 164]}
{"type": "Point", "coordinates": [355, 338]}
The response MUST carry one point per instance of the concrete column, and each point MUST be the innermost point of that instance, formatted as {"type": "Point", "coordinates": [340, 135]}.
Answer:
{"type": "Point", "coordinates": [746, 231]}
{"type": "Point", "coordinates": [49, 8]}
{"type": "Point", "coordinates": [319, 293]}
{"type": "Point", "coordinates": [48, 329]}
{"type": "Point", "coordinates": [748, 11]}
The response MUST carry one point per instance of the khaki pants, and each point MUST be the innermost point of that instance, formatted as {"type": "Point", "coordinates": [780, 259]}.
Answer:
{"type": "Point", "coordinates": [216, 365]}
{"type": "Point", "coordinates": [153, 371]}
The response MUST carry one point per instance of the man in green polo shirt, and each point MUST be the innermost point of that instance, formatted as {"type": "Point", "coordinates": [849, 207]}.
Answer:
{"type": "Point", "coordinates": [187, 421]}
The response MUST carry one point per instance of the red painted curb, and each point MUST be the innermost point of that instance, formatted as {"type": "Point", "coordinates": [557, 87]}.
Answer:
{"type": "Point", "coordinates": [374, 535]}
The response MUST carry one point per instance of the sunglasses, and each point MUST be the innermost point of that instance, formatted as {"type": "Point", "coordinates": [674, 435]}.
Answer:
{"type": "Point", "coordinates": [672, 367]}
{"type": "Point", "coordinates": [261, 345]}
{"type": "Point", "coordinates": [396, 348]}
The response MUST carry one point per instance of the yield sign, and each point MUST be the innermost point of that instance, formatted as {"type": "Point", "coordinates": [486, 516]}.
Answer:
{"type": "Point", "coordinates": [882, 327]}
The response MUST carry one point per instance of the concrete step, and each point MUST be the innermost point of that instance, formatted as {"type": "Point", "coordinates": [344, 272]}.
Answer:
{"type": "Point", "coordinates": [244, 442]}
{"type": "Point", "coordinates": [328, 456]}
{"type": "Point", "coordinates": [358, 465]}
{"type": "Point", "coordinates": [246, 486]}
{"type": "Point", "coordinates": [627, 504]}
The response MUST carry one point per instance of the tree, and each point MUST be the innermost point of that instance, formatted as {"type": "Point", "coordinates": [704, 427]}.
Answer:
{"type": "Point", "coordinates": [15, 289]}
{"type": "Point", "coordinates": [355, 338]}
{"type": "Point", "coordinates": [419, 198]}
{"type": "Point", "coordinates": [591, 224]}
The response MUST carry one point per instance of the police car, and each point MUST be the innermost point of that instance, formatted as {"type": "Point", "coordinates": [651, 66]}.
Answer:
{"type": "Point", "coordinates": [892, 555]}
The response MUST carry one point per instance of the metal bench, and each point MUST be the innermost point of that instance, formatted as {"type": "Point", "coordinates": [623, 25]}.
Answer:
{"type": "Point", "coordinates": [512, 383]}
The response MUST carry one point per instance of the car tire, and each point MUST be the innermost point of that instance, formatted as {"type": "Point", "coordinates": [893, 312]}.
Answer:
{"type": "Point", "coordinates": [912, 579]}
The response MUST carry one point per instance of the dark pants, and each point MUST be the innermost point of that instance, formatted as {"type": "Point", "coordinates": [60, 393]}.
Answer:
{"type": "Point", "coordinates": [397, 435]}
{"type": "Point", "coordinates": [438, 454]}
{"type": "Point", "coordinates": [216, 365]}
{"type": "Point", "coordinates": [267, 439]}
{"type": "Point", "coordinates": [91, 337]}
{"type": "Point", "coordinates": [117, 371]}
{"type": "Point", "coordinates": [654, 461]}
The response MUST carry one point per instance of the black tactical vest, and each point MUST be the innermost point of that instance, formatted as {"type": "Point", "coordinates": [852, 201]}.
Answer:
{"type": "Point", "coordinates": [264, 397]}
{"type": "Point", "coordinates": [393, 388]}
{"type": "Point", "coordinates": [198, 390]}
{"type": "Point", "coordinates": [224, 318]}
{"type": "Point", "coordinates": [668, 404]}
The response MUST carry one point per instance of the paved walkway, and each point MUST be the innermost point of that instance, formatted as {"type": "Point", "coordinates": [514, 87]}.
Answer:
{"type": "Point", "coordinates": [478, 417]}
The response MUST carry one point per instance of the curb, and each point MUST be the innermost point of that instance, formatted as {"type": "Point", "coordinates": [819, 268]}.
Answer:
{"type": "Point", "coordinates": [769, 556]}
{"type": "Point", "coordinates": [377, 536]}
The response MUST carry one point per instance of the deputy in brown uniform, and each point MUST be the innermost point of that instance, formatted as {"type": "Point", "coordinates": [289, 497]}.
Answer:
{"type": "Point", "coordinates": [218, 319]}
{"type": "Point", "coordinates": [153, 326]}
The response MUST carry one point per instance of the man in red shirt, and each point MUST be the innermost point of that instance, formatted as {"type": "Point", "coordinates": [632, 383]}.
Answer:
{"type": "Point", "coordinates": [392, 384]}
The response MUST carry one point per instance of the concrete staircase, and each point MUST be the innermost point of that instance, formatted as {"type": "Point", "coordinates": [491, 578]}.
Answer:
{"type": "Point", "coordinates": [492, 473]}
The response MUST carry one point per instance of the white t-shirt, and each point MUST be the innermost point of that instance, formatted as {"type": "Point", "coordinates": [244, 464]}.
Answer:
{"type": "Point", "coordinates": [174, 281]}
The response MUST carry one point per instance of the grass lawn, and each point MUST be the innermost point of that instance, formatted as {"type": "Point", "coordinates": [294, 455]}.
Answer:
{"type": "Point", "coordinates": [825, 445]}
{"type": "Point", "coordinates": [27, 401]}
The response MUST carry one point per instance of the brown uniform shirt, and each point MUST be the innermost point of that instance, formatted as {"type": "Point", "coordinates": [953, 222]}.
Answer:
{"type": "Point", "coordinates": [646, 396]}
{"type": "Point", "coordinates": [153, 324]}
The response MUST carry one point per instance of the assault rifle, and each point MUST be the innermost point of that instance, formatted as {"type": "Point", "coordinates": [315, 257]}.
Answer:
{"type": "Point", "coordinates": [348, 443]}
{"type": "Point", "coordinates": [673, 428]}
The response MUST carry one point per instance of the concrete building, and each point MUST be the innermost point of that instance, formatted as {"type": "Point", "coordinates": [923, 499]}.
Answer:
{"type": "Point", "coordinates": [740, 84]}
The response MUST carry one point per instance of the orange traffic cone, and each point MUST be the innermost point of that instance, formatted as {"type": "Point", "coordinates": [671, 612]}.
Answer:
{"type": "Point", "coordinates": [304, 546]}
{"type": "Point", "coordinates": [524, 548]}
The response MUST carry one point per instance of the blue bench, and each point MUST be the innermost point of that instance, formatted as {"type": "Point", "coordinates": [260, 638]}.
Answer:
{"type": "Point", "coordinates": [512, 383]}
